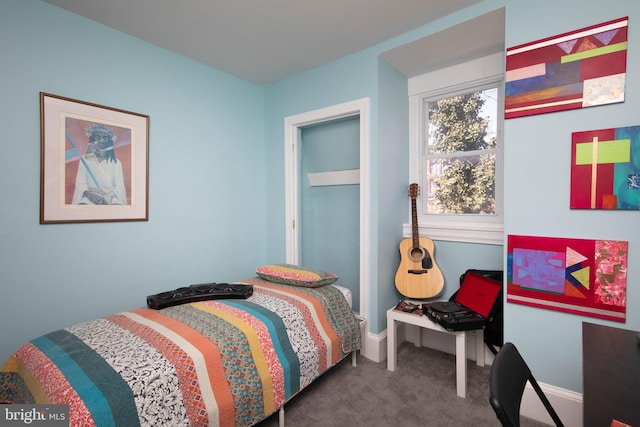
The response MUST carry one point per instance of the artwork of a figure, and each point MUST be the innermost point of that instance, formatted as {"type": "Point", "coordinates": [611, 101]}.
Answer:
{"type": "Point", "coordinates": [100, 179]}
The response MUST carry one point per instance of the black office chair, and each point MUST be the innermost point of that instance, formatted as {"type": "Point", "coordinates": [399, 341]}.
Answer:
{"type": "Point", "coordinates": [508, 378]}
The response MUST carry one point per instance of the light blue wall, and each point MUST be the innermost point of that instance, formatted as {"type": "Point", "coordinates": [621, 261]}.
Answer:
{"type": "Point", "coordinates": [308, 91]}
{"type": "Point", "coordinates": [390, 208]}
{"type": "Point", "coordinates": [536, 176]}
{"type": "Point", "coordinates": [538, 152]}
{"type": "Point", "coordinates": [206, 194]}
{"type": "Point", "coordinates": [353, 77]}
{"type": "Point", "coordinates": [217, 173]}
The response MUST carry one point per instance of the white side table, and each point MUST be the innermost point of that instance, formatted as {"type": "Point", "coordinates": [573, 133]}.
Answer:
{"type": "Point", "coordinates": [394, 317]}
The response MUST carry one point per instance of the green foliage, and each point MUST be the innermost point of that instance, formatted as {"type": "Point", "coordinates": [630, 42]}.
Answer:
{"type": "Point", "coordinates": [467, 183]}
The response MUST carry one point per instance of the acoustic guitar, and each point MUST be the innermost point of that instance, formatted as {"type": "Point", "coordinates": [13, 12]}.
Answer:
{"type": "Point", "coordinates": [418, 275]}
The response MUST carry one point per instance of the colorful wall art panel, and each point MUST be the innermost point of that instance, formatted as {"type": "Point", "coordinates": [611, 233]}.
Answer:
{"type": "Point", "coordinates": [578, 69]}
{"type": "Point", "coordinates": [605, 169]}
{"type": "Point", "coordinates": [579, 276]}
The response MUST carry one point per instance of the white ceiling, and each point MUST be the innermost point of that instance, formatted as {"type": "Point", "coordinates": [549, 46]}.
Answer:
{"type": "Point", "coordinates": [265, 40]}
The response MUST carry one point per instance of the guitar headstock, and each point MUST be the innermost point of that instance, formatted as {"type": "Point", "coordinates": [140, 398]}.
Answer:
{"type": "Point", "coordinates": [413, 190]}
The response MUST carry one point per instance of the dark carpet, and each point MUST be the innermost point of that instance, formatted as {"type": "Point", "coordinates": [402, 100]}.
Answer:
{"type": "Point", "coordinates": [420, 392]}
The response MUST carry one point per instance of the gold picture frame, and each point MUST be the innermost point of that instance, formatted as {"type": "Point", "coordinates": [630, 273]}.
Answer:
{"type": "Point", "coordinates": [94, 162]}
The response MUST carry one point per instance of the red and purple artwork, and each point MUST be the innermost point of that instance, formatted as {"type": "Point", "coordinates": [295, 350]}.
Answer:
{"type": "Point", "coordinates": [573, 70]}
{"type": "Point", "coordinates": [605, 169]}
{"type": "Point", "coordinates": [580, 276]}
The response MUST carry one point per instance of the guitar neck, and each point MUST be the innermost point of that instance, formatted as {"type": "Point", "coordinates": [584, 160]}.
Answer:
{"type": "Point", "coordinates": [414, 224]}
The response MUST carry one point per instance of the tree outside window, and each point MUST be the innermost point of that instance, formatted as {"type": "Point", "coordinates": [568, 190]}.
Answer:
{"type": "Point", "coordinates": [460, 153]}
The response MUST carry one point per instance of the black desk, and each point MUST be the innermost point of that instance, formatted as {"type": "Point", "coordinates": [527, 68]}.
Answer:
{"type": "Point", "coordinates": [611, 375]}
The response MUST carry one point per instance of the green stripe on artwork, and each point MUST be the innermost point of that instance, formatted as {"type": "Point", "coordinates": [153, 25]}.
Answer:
{"type": "Point", "coordinates": [616, 151]}
{"type": "Point", "coordinates": [591, 53]}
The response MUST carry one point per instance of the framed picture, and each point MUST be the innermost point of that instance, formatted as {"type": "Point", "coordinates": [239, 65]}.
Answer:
{"type": "Point", "coordinates": [94, 162]}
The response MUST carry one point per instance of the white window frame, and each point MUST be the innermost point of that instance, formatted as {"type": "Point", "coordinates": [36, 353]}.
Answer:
{"type": "Point", "coordinates": [486, 229]}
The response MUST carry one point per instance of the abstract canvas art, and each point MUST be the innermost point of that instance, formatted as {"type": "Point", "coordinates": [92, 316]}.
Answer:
{"type": "Point", "coordinates": [605, 169]}
{"type": "Point", "coordinates": [580, 276]}
{"type": "Point", "coordinates": [573, 70]}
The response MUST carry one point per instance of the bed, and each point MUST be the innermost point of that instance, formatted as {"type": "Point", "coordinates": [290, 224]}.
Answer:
{"type": "Point", "coordinates": [220, 362]}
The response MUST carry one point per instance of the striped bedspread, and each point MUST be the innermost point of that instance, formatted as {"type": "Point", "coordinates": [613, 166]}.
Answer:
{"type": "Point", "coordinates": [218, 363]}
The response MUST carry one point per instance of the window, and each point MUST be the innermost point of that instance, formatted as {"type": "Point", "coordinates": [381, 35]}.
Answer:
{"type": "Point", "coordinates": [460, 137]}
{"type": "Point", "coordinates": [456, 154]}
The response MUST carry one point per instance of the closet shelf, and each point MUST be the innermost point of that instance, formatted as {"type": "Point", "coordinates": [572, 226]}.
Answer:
{"type": "Point", "coordinates": [340, 177]}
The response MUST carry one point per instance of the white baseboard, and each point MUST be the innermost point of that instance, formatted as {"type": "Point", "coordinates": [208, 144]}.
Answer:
{"type": "Point", "coordinates": [567, 403]}
{"type": "Point", "coordinates": [375, 346]}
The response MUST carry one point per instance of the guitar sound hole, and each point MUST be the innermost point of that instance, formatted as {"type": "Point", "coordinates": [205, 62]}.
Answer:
{"type": "Point", "coordinates": [416, 254]}
{"type": "Point", "coordinates": [421, 255]}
